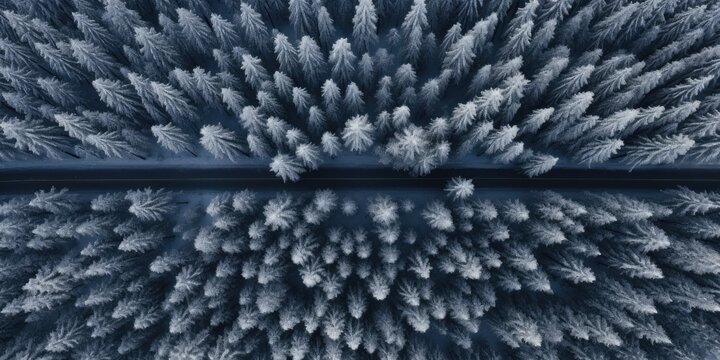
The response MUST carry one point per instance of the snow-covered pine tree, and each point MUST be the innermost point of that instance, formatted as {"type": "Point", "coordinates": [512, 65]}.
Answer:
{"type": "Point", "coordinates": [358, 133]}
{"type": "Point", "coordinates": [365, 26]}
{"type": "Point", "coordinates": [221, 142]}
{"type": "Point", "coordinates": [172, 138]}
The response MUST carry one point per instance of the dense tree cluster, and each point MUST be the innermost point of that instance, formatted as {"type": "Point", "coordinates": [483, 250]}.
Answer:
{"type": "Point", "coordinates": [411, 82]}
{"type": "Point", "coordinates": [151, 274]}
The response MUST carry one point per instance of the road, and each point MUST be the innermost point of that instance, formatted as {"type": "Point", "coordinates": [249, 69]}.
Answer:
{"type": "Point", "coordinates": [24, 180]}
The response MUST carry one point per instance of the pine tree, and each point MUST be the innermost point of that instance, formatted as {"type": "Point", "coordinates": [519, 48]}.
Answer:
{"type": "Point", "coordinates": [316, 119]}
{"type": "Point", "coordinates": [358, 133]}
{"type": "Point", "coordinates": [301, 100]}
{"type": "Point", "coordinates": [365, 26]}
{"type": "Point", "coordinates": [453, 34]}
{"type": "Point", "coordinates": [499, 139]}
{"type": "Point", "coordinates": [22, 80]}
{"type": "Point", "coordinates": [60, 59]}
{"type": "Point", "coordinates": [353, 100]}
{"type": "Point", "coordinates": [598, 150]}
{"type": "Point", "coordinates": [543, 37]}
{"type": "Point", "coordinates": [269, 104]}
{"type": "Point", "coordinates": [208, 85]}
{"type": "Point", "coordinates": [609, 27]}
{"type": "Point", "coordinates": [326, 28]}
{"type": "Point", "coordinates": [118, 96]}
{"type": "Point", "coordinates": [686, 201]}
{"type": "Point", "coordinates": [331, 144]}
{"type": "Point", "coordinates": [286, 54]}
{"type": "Point", "coordinates": [460, 188]}
{"type": "Point", "coordinates": [657, 150]}
{"type": "Point", "coordinates": [311, 60]}
{"type": "Point", "coordinates": [688, 90]}
{"type": "Point", "coordinates": [615, 123]}
{"type": "Point", "coordinates": [518, 41]}
{"type": "Point", "coordinates": [122, 20]}
{"type": "Point", "coordinates": [438, 217]}
{"type": "Point", "coordinates": [301, 17]}
{"type": "Point", "coordinates": [60, 92]}
{"type": "Point", "coordinates": [173, 101]}
{"type": "Point", "coordinates": [149, 205]}
{"type": "Point", "coordinates": [283, 84]}
{"type": "Point", "coordinates": [342, 60]}
{"type": "Point", "coordinates": [195, 31]}
{"type": "Point", "coordinates": [255, 73]}
{"type": "Point", "coordinates": [253, 27]}
{"type": "Point", "coordinates": [279, 212]}
{"type": "Point", "coordinates": [18, 54]}
{"type": "Point", "coordinates": [469, 11]}
{"type": "Point", "coordinates": [537, 164]}
{"type": "Point", "coordinates": [36, 138]}
{"type": "Point", "coordinates": [183, 80]}
{"type": "Point", "coordinates": [172, 138]}
{"type": "Point", "coordinates": [68, 335]}
{"type": "Point", "coordinates": [78, 127]}
{"type": "Point", "coordinates": [222, 143]}
{"type": "Point", "coordinates": [460, 56]}
{"type": "Point", "coordinates": [573, 81]}
{"type": "Point", "coordinates": [415, 18]}
{"type": "Point", "coordinates": [93, 58]}
{"type": "Point", "coordinates": [463, 116]}
{"type": "Point", "coordinates": [112, 144]}
{"type": "Point", "coordinates": [144, 90]}
{"type": "Point", "coordinates": [225, 32]}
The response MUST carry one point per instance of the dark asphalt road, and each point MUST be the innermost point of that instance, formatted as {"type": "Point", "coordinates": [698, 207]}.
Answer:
{"type": "Point", "coordinates": [24, 180]}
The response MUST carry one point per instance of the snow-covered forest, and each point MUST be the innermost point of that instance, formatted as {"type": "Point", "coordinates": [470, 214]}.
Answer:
{"type": "Point", "coordinates": [411, 83]}
{"type": "Point", "coordinates": [151, 274]}
{"type": "Point", "coordinates": [300, 272]}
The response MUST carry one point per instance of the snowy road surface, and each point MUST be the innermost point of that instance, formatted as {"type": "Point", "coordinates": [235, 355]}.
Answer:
{"type": "Point", "coordinates": [23, 180]}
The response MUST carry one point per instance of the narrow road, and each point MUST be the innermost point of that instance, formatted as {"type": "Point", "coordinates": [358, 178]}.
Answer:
{"type": "Point", "coordinates": [24, 180]}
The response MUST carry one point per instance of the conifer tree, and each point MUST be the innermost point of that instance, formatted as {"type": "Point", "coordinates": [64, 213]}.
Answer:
{"type": "Point", "coordinates": [469, 11]}
{"type": "Point", "coordinates": [253, 27]}
{"type": "Point", "coordinates": [326, 27]}
{"type": "Point", "coordinates": [150, 205]}
{"type": "Point", "coordinates": [118, 96]}
{"type": "Point", "coordinates": [173, 102]}
{"type": "Point", "coordinates": [358, 133]}
{"type": "Point", "coordinates": [342, 60]}
{"type": "Point", "coordinates": [195, 30]}
{"type": "Point", "coordinates": [311, 59]}
{"type": "Point", "coordinates": [537, 164]}
{"type": "Point", "coordinates": [112, 144]}
{"type": "Point", "coordinates": [364, 26]}
{"type": "Point", "coordinates": [122, 20]}
{"type": "Point", "coordinates": [60, 92]}
{"type": "Point", "coordinates": [598, 151]}
{"type": "Point", "coordinates": [60, 58]}
{"type": "Point", "coordinates": [301, 16]}
{"type": "Point", "coordinates": [78, 127]}
{"type": "Point", "coordinates": [35, 137]}
{"type": "Point", "coordinates": [255, 73]}
{"type": "Point", "coordinates": [93, 58]}
{"type": "Point", "coordinates": [221, 142]}
{"type": "Point", "coordinates": [157, 48]}
{"type": "Point", "coordinates": [286, 54]}
{"type": "Point", "coordinates": [224, 31]}
{"type": "Point", "coordinates": [657, 150]}
{"type": "Point", "coordinates": [172, 138]}
{"type": "Point", "coordinates": [459, 57]}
